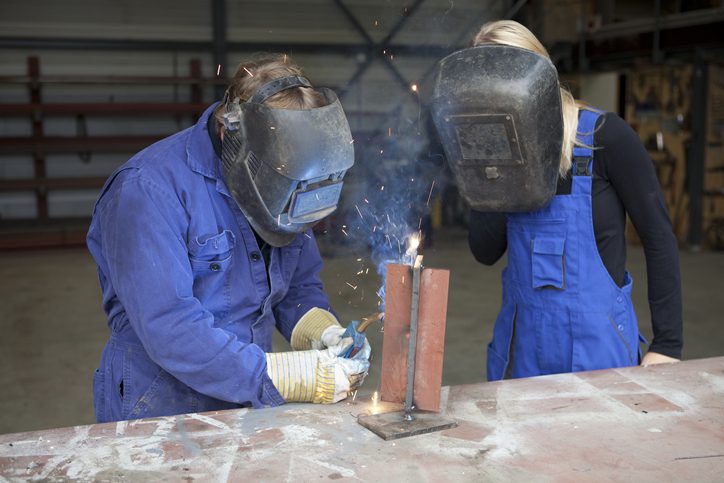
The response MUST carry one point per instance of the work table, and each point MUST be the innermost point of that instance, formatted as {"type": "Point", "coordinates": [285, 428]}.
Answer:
{"type": "Point", "coordinates": [659, 423]}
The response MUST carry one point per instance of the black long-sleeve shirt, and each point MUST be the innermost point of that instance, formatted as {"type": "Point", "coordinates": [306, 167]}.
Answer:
{"type": "Point", "coordinates": [624, 181]}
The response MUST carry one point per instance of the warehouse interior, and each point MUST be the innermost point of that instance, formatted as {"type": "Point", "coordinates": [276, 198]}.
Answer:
{"type": "Point", "coordinates": [88, 83]}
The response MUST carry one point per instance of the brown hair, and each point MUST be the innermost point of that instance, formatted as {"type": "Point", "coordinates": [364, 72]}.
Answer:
{"type": "Point", "coordinates": [253, 74]}
{"type": "Point", "coordinates": [509, 32]}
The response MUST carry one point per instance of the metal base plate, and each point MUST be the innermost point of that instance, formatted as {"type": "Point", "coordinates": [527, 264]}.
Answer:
{"type": "Point", "coordinates": [393, 425]}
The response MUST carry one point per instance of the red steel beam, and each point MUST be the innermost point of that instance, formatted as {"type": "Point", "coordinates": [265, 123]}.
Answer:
{"type": "Point", "coordinates": [62, 144]}
{"type": "Point", "coordinates": [26, 184]}
{"type": "Point", "coordinates": [132, 108]}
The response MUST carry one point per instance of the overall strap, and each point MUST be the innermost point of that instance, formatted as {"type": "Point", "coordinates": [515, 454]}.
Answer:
{"type": "Point", "coordinates": [583, 155]}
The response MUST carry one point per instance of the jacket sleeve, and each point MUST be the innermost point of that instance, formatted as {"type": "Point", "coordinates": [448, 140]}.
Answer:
{"type": "Point", "coordinates": [487, 236]}
{"type": "Point", "coordinates": [632, 175]}
{"type": "Point", "coordinates": [306, 290]}
{"type": "Point", "coordinates": [143, 237]}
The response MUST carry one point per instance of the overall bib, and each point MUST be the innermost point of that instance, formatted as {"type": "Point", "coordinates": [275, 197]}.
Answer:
{"type": "Point", "coordinates": [561, 311]}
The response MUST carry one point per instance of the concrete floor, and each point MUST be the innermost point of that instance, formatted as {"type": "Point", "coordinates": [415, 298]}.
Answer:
{"type": "Point", "coordinates": [53, 328]}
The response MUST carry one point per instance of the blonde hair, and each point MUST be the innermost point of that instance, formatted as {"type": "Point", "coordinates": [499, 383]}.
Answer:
{"type": "Point", "coordinates": [509, 32]}
{"type": "Point", "coordinates": [253, 74]}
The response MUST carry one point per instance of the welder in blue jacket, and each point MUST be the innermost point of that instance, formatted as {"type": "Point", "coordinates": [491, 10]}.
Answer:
{"type": "Point", "coordinates": [203, 244]}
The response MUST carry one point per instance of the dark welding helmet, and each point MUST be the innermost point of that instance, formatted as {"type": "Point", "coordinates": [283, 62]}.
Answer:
{"type": "Point", "coordinates": [284, 167]}
{"type": "Point", "coordinates": [497, 110]}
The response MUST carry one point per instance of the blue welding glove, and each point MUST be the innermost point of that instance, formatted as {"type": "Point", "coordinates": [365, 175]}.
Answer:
{"type": "Point", "coordinates": [360, 348]}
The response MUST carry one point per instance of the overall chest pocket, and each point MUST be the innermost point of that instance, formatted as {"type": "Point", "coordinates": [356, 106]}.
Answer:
{"type": "Point", "coordinates": [548, 262]}
{"type": "Point", "coordinates": [211, 259]}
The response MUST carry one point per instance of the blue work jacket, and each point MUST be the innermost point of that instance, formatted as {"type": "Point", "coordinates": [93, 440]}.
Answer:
{"type": "Point", "coordinates": [185, 288]}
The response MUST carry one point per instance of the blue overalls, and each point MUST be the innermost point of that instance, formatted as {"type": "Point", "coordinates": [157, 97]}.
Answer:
{"type": "Point", "coordinates": [185, 288]}
{"type": "Point", "coordinates": [562, 311]}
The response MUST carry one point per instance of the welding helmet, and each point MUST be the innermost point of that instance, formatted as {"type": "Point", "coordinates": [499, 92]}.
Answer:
{"type": "Point", "coordinates": [497, 110]}
{"type": "Point", "coordinates": [284, 167]}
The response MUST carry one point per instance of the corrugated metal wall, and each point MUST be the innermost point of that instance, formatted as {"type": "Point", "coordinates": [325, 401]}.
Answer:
{"type": "Point", "coordinates": [435, 23]}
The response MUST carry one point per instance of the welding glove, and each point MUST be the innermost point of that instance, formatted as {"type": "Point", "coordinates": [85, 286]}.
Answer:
{"type": "Point", "coordinates": [316, 376]}
{"type": "Point", "coordinates": [317, 329]}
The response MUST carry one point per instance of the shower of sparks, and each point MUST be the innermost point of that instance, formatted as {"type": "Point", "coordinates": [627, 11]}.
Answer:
{"type": "Point", "coordinates": [359, 212]}
{"type": "Point", "coordinates": [218, 70]}
{"type": "Point", "coordinates": [430, 195]}
{"type": "Point", "coordinates": [248, 72]}
{"type": "Point", "coordinates": [354, 287]}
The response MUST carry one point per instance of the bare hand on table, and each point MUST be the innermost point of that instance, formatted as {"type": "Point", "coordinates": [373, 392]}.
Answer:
{"type": "Point", "coordinates": [653, 358]}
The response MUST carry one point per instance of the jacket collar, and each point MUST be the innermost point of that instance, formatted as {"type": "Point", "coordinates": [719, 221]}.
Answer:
{"type": "Point", "coordinates": [200, 154]}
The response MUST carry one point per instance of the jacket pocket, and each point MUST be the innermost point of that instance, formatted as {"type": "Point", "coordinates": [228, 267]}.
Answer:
{"type": "Point", "coordinates": [548, 262]}
{"type": "Point", "coordinates": [211, 259]}
{"type": "Point", "coordinates": [164, 397]}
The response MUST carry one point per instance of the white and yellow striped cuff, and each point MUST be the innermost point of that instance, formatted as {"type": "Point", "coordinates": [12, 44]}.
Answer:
{"type": "Point", "coordinates": [310, 328]}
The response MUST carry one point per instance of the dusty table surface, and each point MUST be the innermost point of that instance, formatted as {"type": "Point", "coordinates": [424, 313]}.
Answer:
{"type": "Point", "coordinates": [659, 423]}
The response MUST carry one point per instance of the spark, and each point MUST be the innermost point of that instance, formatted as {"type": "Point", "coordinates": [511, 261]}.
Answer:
{"type": "Point", "coordinates": [374, 228]}
{"type": "Point", "coordinates": [345, 233]}
{"type": "Point", "coordinates": [218, 70]}
{"type": "Point", "coordinates": [285, 58]}
{"type": "Point", "coordinates": [413, 87]}
{"type": "Point", "coordinates": [382, 151]}
{"type": "Point", "coordinates": [413, 243]}
{"type": "Point", "coordinates": [376, 23]}
{"type": "Point", "coordinates": [359, 259]}
{"type": "Point", "coordinates": [279, 219]}
{"type": "Point", "coordinates": [366, 201]}
{"type": "Point", "coordinates": [388, 218]}
{"type": "Point", "coordinates": [351, 141]}
{"type": "Point", "coordinates": [389, 131]}
{"type": "Point", "coordinates": [354, 287]}
{"type": "Point", "coordinates": [367, 271]}
{"type": "Point", "coordinates": [419, 224]}
{"type": "Point", "coordinates": [248, 72]}
{"type": "Point", "coordinates": [388, 240]}
{"type": "Point", "coordinates": [354, 395]}
{"type": "Point", "coordinates": [383, 188]}
{"type": "Point", "coordinates": [392, 56]}
{"type": "Point", "coordinates": [307, 235]}
{"type": "Point", "coordinates": [375, 398]}
{"type": "Point", "coordinates": [360, 272]}
{"type": "Point", "coordinates": [430, 195]}
{"type": "Point", "coordinates": [359, 212]}
{"type": "Point", "coordinates": [272, 127]}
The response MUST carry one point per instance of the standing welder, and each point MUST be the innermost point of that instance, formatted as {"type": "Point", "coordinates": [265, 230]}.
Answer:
{"type": "Point", "coordinates": [551, 180]}
{"type": "Point", "coordinates": [204, 245]}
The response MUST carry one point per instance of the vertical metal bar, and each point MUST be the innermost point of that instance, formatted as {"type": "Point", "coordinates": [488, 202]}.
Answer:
{"type": "Point", "coordinates": [697, 150]}
{"type": "Point", "coordinates": [196, 91]}
{"type": "Point", "coordinates": [656, 54]}
{"type": "Point", "coordinates": [218, 17]}
{"type": "Point", "coordinates": [41, 194]}
{"type": "Point", "coordinates": [416, 269]}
